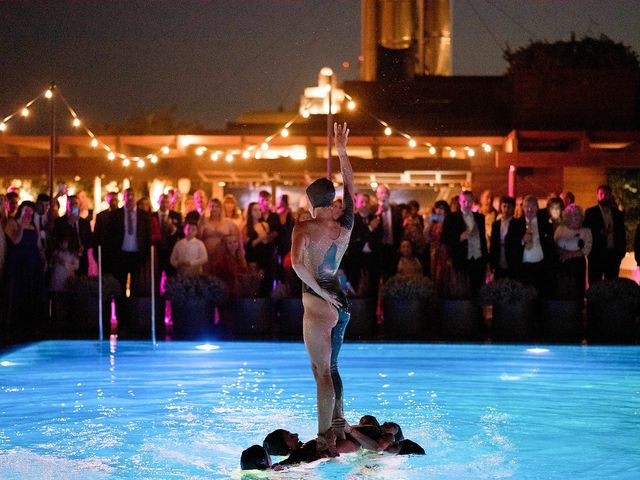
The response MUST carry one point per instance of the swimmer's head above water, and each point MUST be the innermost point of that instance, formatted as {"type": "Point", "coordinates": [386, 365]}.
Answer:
{"type": "Point", "coordinates": [255, 458]}
{"type": "Point", "coordinates": [281, 442]}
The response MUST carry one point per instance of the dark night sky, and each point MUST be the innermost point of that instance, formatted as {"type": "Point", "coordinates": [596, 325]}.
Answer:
{"type": "Point", "coordinates": [216, 59]}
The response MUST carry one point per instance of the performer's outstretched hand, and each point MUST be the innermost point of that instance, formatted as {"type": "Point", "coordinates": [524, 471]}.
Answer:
{"type": "Point", "coordinates": [341, 135]}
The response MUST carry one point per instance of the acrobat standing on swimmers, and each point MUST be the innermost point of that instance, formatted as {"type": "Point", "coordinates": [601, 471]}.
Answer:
{"type": "Point", "coordinates": [317, 248]}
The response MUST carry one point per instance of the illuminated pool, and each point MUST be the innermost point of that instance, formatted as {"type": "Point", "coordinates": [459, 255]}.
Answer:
{"type": "Point", "coordinates": [79, 409]}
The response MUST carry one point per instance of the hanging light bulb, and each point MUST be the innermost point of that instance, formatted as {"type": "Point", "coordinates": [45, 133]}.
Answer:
{"type": "Point", "coordinates": [126, 162]}
{"type": "Point", "coordinates": [153, 158]}
{"type": "Point", "coordinates": [305, 113]}
{"type": "Point", "coordinates": [25, 112]}
{"type": "Point", "coordinates": [432, 150]}
{"type": "Point", "coordinates": [48, 93]}
{"type": "Point", "coordinates": [351, 105]}
{"type": "Point", "coordinates": [412, 143]}
{"type": "Point", "coordinates": [165, 150]}
{"type": "Point", "coordinates": [214, 156]}
{"type": "Point", "coordinates": [111, 156]}
{"type": "Point", "coordinates": [258, 155]}
{"type": "Point", "coordinates": [3, 127]}
{"type": "Point", "coordinates": [387, 131]}
{"type": "Point", "coordinates": [471, 152]}
{"type": "Point", "coordinates": [140, 163]}
{"type": "Point", "coordinates": [246, 154]}
{"type": "Point", "coordinates": [94, 142]}
{"type": "Point", "coordinates": [486, 147]}
{"type": "Point", "coordinates": [264, 146]}
{"type": "Point", "coordinates": [200, 151]}
{"type": "Point", "coordinates": [452, 153]}
{"type": "Point", "coordinates": [76, 122]}
{"type": "Point", "coordinates": [229, 157]}
{"type": "Point", "coordinates": [284, 132]}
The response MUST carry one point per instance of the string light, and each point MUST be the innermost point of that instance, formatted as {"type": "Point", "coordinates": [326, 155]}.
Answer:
{"type": "Point", "coordinates": [25, 112]}
{"type": "Point", "coordinates": [76, 122]}
{"type": "Point", "coordinates": [229, 157]}
{"type": "Point", "coordinates": [246, 154]}
{"type": "Point", "coordinates": [126, 162]}
{"type": "Point", "coordinates": [264, 146]}
{"type": "Point", "coordinates": [432, 150]}
{"type": "Point", "coordinates": [94, 142]}
{"type": "Point", "coordinates": [306, 114]}
{"type": "Point", "coordinates": [3, 127]}
{"type": "Point", "coordinates": [153, 158]}
{"type": "Point", "coordinates": [471, 152]}
{"type": "Point", "coordinates": [165, 150]}
{"type": "Point", "coordinates": [48, 94]}
{"type": "Point", "coordinates": [452, 153]}
{"type": "Point", "coordinates": [412, 143]}
{"type": "Point", "coordinates": [284, 132]}
{"type": "Point", "coordinates": [351, 105]}
{"type": "Point", "coordinates": [215, 156]}
{"type": "Point", "coordinates": [140, 163]}
{"type": "Point", "coordinates": [387, 131]}
{"type": "Point", "coordinates": [486, 147]}
{"type": "Point", "coordinates": [111, 156]}
{"type": "Point", "coordinates": [200, 151]}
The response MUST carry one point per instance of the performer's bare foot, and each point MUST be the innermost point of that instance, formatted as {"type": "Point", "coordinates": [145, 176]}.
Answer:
{"type": "Point", "coordinates": [326, 444]}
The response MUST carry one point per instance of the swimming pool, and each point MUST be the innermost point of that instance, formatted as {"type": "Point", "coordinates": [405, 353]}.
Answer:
{"type": "Point", "coordinates": [81, 409]}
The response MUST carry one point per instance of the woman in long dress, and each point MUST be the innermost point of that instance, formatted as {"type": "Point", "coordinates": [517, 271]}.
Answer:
{"type": "Point", "coordinates": [212, 228]}
{"type": "Point", "coordinates": [24, 292]}
{"type": "Point", "coordinates": [258, 249]}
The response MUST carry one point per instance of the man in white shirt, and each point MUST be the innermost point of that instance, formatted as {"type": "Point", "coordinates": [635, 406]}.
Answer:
{"type": "Point", "coordinates": [530, 248]}
{"type": "Point", "coordinates": [463, 232]}
{"type": "Point", "coordinates": [189, 254]}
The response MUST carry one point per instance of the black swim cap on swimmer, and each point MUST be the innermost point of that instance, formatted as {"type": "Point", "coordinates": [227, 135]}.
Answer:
{"type": "Point", "coordinates": [321, 193]}
{"type": "Point", "coordinates": [254, 458]}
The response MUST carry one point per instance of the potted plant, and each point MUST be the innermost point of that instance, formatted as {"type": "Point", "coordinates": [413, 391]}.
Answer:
{"type": "Point", "coordinates": [562, 318]}
{"type": "Point", "coordinates": [405, 303]}
{"type": "Point", "coordinates": [193, 300]}
{"type": "Point", "coordinates": [249, 314]}
{"type": "Point", "coordinates": [83, 303]}
{"type": "Point", "coordinates": [513, 305]}
{"type": "Point", "coordinates": [612, 310]}
{"type": "Point", "coordinates": [460, 316]}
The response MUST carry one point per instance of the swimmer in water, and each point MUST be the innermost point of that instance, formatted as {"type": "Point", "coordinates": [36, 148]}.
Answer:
{"type": "Point", "coordinates": [317, 248]}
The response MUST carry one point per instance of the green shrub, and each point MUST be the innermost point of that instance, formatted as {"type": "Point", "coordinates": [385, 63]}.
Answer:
{"type": "Point", "coordinates": [407, 287]}
{"type": "Point", "coordinates": [183, 289]}
{"type": "Point", "coordinates": [506, 290]}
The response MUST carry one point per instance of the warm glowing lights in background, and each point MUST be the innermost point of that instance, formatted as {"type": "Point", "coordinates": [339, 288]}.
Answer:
{"type": "Point", "coordinates": [260, 150]}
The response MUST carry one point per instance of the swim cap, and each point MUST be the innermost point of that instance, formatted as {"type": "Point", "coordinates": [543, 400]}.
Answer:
{"type": "Point", "coordinates": [321, 193]}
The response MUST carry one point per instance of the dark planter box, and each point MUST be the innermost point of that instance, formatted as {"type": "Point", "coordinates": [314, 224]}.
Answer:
{"type": "Point", "coordinates": [289, 312]}
{"type": "Point", "coordinates": [193, 319]}
{"type": "Point", "coordinates": [362, 323]}
{"type": "Point", "coordinates": [252, 317]}
{"type": "Point", "coordinates": [562, 320]}
{"type": "Point", "coordinates": [460, 319]}
{"type": "Point", "coordinates": [82, 318]}
{"type": "Point", "coordinates": [141, 315]}
{"type": "Point", "coordinates": [405, 318]}
{"type": "Point", "coordinates": [612, 322]}
{"type": "Point", "coordinates": [512, 321]}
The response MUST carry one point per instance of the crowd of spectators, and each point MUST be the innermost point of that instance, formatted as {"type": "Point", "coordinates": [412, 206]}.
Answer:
{"type": "Point", "coordinates": [459, 244]}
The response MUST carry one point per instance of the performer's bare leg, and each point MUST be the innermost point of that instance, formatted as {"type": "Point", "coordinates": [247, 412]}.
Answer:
{"type": "Point", "coordinates": [319, 318]}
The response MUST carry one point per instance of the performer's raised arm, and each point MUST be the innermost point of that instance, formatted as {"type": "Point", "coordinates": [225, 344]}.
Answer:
{"type": "Point", "coordinates": [341, 135]}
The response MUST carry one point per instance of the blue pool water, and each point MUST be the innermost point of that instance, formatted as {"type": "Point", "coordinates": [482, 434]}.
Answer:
{"type": "Point", "coordinates": [81, 409]}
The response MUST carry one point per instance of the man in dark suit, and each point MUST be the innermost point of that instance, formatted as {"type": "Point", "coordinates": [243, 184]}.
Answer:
{"type": "Point", "coordinates": [358, 259]}
{"type": "Point", "coordinates": [129, 237]}
{"type": "Point", "coordinates": [387, 235]}
{"type": "Point", "coordinates": [100, 234]}
{"type": "Point", "coordinates": [636, 246]}
{"type": "Point", "coordinates": [530, 248]}
{"type": "Point", "coordinates": [463, 232]}
{"type": "Point", "coordinates": [77, 230]}
{"type": "Point", "coordinates": [497, 246]}
{"type": "Point", "coordinates": [606, 223]}
{"type": "Point", "coordinates": [171, 228]}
